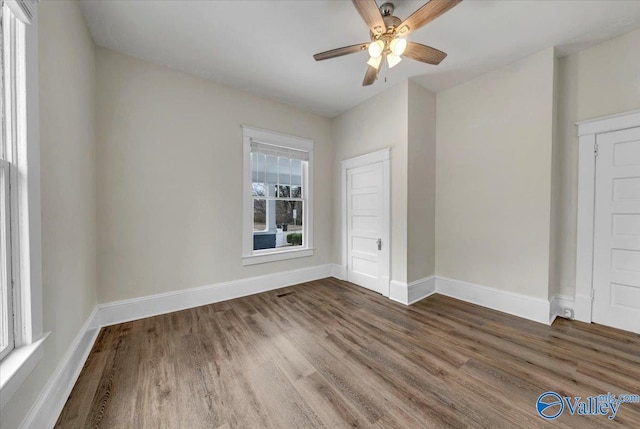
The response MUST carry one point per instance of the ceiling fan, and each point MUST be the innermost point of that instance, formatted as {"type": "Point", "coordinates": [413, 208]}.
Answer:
{"type": "Point", "coordinates": [388, 34]}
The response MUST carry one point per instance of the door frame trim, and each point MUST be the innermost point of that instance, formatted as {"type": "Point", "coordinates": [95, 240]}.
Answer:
{"type": "Point", "coordinates": [383, 156]}
{"type": "Point", "coordinates": [587, 138]}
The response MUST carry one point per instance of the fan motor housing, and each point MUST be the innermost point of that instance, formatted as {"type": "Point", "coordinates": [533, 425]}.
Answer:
{"type": "Point", "coordinates": [391, 22]}
{"type": "Point", "coordinates": [387, 9]}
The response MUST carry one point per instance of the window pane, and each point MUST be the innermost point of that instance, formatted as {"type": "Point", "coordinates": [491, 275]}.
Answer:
{"type": "Point", "coordinates": [282, 191]}
{"type": "Point", "coordinates": [296, 172]}
{"type": "Point", "coordinates": [259, 215]}
{"type": "Point", "coordinates": [284, 170]}
{"type": "Point", "coordinates": [272, 170]}
{"type": "Point", "coordinates": [258, 189]}
{"type": "Point", "coordinates": [254, 167]}
{"type": "Point", "coordinates": [289, 212]}
{"type": "Point", "coordinates": [289, 219]}
{"type": "Point", "coordinates": [296, 192]}
{"type": "Point", "coordinates": [257, 167]}
{"type": "Point", "coordinates": [286, 231]}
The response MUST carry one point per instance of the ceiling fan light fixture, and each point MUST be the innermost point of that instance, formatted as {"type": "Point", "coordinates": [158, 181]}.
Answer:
{"type": "Point", "coordinates": [387, 36]}
{"type": "Point", "coordinates": [376, 48]}
{"type": "Point", "coordinates": [375, 62]}
{"type": "Point", "coordinates": [393, 60]}
{"type": "Point", "coordinates": [398, 46]}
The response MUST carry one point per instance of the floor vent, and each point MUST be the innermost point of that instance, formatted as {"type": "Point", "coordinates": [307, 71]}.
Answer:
{"type": "Point", "coordinates": [285, 294]}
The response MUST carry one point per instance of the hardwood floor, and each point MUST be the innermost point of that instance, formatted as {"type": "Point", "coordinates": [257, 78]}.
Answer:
{"type": "Point", "coordinates": [331, 354]}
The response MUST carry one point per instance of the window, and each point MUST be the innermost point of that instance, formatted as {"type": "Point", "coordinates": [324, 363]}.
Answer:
{"type": "Point", "coordinates": [277, 196]}
{"type": "Point", "coordinates": [21, 335]}
{"type": "Point", "coordinates": [6, 289]}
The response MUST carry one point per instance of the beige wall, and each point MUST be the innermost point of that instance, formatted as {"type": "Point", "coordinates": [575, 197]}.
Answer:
{"type": "Point", "coordinates": [170, 178]}
{"type": "Point", "coordinates": [378, 123]}
{"type": "Point", "coordinates": [494, 141]}
{"type": "Point", "coordinates": [599, 81]}
{"type": "Point", "coordinates": [421, 170]}
{"type": "Point", "coordinates": [557, 193]}
{"type": "Point", "coordinates": [67, 99]}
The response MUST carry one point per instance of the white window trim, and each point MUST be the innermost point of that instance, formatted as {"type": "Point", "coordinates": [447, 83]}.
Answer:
{"type": "Point", "coordinates": [249, 256]}
{"type": "Point", "coordinates": [22, 79]}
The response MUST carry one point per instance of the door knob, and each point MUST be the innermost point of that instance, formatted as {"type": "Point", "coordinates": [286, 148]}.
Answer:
{"type": "Point", "coordinates": [379, 243]}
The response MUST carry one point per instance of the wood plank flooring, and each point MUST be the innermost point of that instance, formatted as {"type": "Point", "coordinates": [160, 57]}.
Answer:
{"type": "Point", "coordinates": [330, 354]}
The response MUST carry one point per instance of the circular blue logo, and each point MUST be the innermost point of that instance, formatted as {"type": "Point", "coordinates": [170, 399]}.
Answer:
{"type": "Point", "coordinates": [550, 405]}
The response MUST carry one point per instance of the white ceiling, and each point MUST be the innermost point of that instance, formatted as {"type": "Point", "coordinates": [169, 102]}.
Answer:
{"type": "Point", "coordinates": [266, 46]}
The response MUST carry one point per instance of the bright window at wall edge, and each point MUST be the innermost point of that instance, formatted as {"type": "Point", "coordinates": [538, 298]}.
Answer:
{"type": "Point", "coordinates": [277, 196]}
{"type": "Point", "coordinates": [21, 333]}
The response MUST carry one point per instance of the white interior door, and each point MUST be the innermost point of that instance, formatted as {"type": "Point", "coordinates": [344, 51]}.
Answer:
{"type": "Point", "coordinates": [616, 263]}
{"type": "Point", "coordinates": [367, 245]}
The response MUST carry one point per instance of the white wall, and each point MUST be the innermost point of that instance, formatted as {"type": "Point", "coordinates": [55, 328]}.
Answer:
{"type": "Point", "coordinates": [170, 178]}
{"type": "Point", "coordinates": [378, 123]}
{"type": "Point", "coordinates": [67, 100]}
{"type": "Point", "coordinates": [598, 81]}
{"type": "Point", "coordinates": [421, 171]}
{"type": "Point", "coordinates": [494, 141]}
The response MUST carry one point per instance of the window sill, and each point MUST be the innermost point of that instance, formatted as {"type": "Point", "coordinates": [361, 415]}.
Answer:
{"type": "Point", "coordinates": [277, 256]}
{"type": "Point", "coordinates": [16, 367]}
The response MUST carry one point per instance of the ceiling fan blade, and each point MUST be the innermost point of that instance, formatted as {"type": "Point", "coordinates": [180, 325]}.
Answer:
{"type": "Point", "coordinates": [423, 53]}
{"type": "Point", "coordinates": [370, 76]}
{"type": "Point", "coordinates": [368, 10]}
{"type": "Point", "coordinates": [425, 14]}
{"type": "Point", "coordinates": [338, 52]}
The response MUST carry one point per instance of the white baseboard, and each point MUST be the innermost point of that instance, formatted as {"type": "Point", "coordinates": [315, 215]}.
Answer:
{"type": "Point", "coordinates": [409, 293]}
{"type": "Point", "coordinates": [339, 272]}
{"type": "Point", "coordinates": [48, 406]}
{"type": "Point", "coordinates": [508, 302]}
{"type": "Point", "coordinates": [582, 308]}
{"type": "Point", "coordinates": [153, 305]}
{"type": "Point", "coordinates": [559, 304]}
{"type": "Point", "coordinates": [45, 411]}
{"type": "Point", "coordinates": [398, 291]}
{"type": "Point", "coordinates": [421, 289]}
{"type": "Point", "coordinates": [528, 307]}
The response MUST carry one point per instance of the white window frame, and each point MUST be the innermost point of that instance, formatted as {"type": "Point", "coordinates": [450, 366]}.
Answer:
{"type": "Point", "coordinates": [22, 137]}
{"type": "Point", "coordinates": [250, 256]}
{"type": "Point", "coordinates": [6, 297]}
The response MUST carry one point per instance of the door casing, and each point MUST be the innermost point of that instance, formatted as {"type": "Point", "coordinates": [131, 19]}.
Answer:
{"type": "Point", "coordinates": [587, 149]}
{"type": "Point", "coordinates": [610, 279]}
